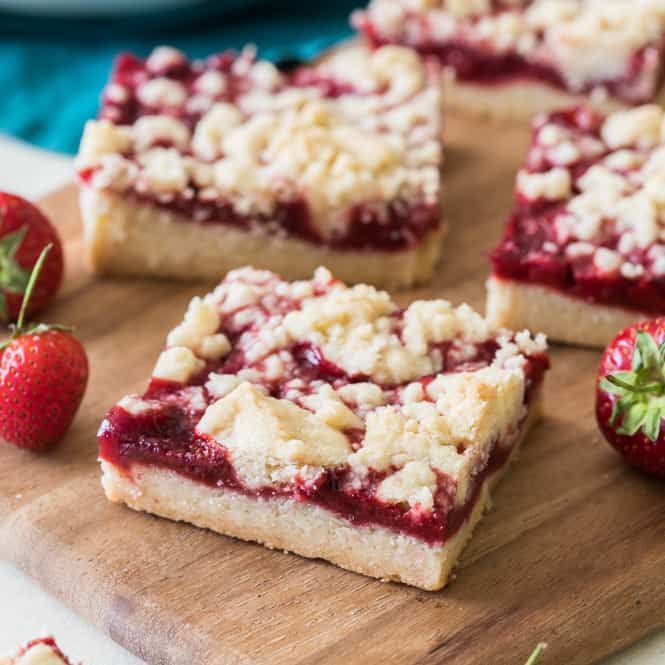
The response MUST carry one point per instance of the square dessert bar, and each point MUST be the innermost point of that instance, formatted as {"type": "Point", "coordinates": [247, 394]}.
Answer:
{"type": "Point", "coordinates": [324, 420]}
{"type": "Point", "coordinates": [518, 57]}
{"type": "Point", "coordinates": [194, 168]}
{"type": "Point", "coordinates": [583, 252]}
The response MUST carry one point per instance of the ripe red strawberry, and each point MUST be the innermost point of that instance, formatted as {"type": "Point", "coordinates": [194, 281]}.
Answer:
{"type": "Point", "coordinates": [630, 395]}
{"type": "Point", "coordinates": [43, 375]}
{"type": "Point", "coordinates": [24, 232]}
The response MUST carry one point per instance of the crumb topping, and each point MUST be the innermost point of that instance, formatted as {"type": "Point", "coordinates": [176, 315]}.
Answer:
{"type": "Point", "coordinates": [270, 440]}
{"type": "Point", "coordinates": [609, 201]}
{"type": "Point", "coordinates": [415, 483]}
{"type": "Point", "coordinates": [360, 129]}
{"type": "Point", "coordinates": [450, 429]}
{"type": "Point", "coordinates": [552, 185]}
{"type": "Point", "coordinates": [587, 42]}
{"type": "Point", "coordinates": [177, 364]}
{"type": "Point", "coordinates": [314, 375]}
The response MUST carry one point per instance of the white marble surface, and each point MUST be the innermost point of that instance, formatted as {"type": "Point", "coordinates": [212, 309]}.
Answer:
{"type": "Point", "coordinates": [31, 172]}
{"type": "Point", "coordinates": [31, 612]}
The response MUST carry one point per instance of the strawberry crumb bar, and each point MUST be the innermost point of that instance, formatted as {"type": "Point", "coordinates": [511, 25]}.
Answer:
{"type": "Point", "coordinates": [42, 651]}
{"type": "Point", "coordinates": [324, 420]}
{"type": "Point", "coordinates": [518, 57]}
{"type": "Point", "coordinates": [194, 168]}
{"type": "Point", "coordinates": [583, 253]}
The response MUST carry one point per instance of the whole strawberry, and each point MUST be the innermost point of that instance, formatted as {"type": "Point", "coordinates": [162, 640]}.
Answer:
{"type": "Point", "coordinates": [24, 232]}
{"type": "Point", "coordinates": [630, 395]}
{"type": "Point", "coordinates": [43, 375]}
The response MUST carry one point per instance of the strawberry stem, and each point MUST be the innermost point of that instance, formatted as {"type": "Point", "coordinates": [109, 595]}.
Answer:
{"type": "Point", "coordinates": [656, 387]}
{"type": "Point", "coordinates": [13, 277]}
{"type": "Point", "coordinates": [36, 328]}
{"type": "Point", "coordinates": [639, 394]}
{"type": "Point", "coordinates": [537, 653]}
{"type": "Point", "coordinates": [34, 276]}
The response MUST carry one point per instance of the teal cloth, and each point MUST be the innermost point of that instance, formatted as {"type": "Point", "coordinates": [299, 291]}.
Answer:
{"type": "Point", "coordinates": [52, 70]}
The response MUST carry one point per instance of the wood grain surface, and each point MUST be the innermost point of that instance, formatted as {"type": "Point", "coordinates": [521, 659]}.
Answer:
{"type": "Point", "coordinates": [573, 552]}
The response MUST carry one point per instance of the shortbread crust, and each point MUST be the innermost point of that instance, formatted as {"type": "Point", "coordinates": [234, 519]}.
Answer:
{"type": "Point", "coordinates": [330, 398]}
{"type": "Point", "coordinates": [342, 157]}
{"type": "Point", "coordinates": [120, 235]}
{"type": "Point", "coordinates": [566, 319]}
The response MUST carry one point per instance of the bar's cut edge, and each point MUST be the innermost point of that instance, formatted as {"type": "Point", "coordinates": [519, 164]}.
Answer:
{"type": "Point", "coordinates": [563, 318]}
{"type": "Point", "coordinates": [128, 237]}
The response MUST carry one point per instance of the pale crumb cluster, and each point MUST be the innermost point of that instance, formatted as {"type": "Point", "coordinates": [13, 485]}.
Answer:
{"type": "Point", "coordinates": [462, 411]}
{"type": "Point", "coordinates": [198, 332]}
{"type": "Point", "coordinates": [411, 430]}
{"type": "Point", "coordinates": [271, 440]}
{"type": "Point", "coordinates": [622, 193]}
{"type": "Point", "coordinates": [275, 141]}
{"type": "Point", "coordinates": [415, 483]}
{"type": "Point", "coordinates": [177, 364]}
{"type": "Point", "coordinates": [552, 185]}
{"type": "Point", "coordinates": [587, 41]}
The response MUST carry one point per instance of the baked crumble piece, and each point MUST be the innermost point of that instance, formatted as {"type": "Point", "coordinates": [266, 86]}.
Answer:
{"type": "Point", "coordinates": [42, 651]}
{"type": "Point", "coordinates": [231, 159]}
{"type": "Point", "coordinates": [325, 420]}
{"type": "Point", "coordinates": [516, 57]}
{"type": "Point", "coordinates": [587, 227]}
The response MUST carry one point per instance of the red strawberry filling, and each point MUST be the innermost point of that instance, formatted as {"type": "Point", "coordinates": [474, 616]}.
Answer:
{"type": "Point", "coordinates": [401, 226]}
{"type": "Point", "coordinates": [520, 257]}
{"type": "Point", "coordinates": [533, 251]}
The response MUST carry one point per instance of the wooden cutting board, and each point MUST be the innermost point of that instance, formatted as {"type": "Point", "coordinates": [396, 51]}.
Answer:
{"type": "Point", "coordinates": [573, 552]}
